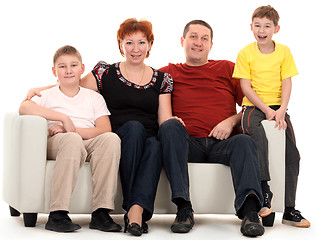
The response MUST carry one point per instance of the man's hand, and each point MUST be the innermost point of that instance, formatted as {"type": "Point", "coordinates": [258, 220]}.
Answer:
{"type": "Point", "coordinates": [222, 130]}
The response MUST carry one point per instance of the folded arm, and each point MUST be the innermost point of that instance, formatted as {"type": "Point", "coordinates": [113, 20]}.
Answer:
{"type": "Point", "coordinates": [102, 125]}
{"type": "Point", "coordinates": [29, 107]}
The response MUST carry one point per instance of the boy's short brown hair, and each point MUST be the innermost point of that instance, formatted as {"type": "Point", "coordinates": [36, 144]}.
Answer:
{"type": "Point", "coordinates": [67, 50]}
{"type": "Point", "coordinates": [268, 12]}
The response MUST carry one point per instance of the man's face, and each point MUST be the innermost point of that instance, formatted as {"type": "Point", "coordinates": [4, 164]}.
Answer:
{"type": "Point", "coordinates": [197, 44]}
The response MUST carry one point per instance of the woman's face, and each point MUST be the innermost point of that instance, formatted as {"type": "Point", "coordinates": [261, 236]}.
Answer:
{"type": "Point", "coordinates": [135, 47]}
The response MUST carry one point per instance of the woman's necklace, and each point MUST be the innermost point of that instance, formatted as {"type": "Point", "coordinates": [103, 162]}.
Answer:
{"type": "Point", "coordinates": [142, 76]}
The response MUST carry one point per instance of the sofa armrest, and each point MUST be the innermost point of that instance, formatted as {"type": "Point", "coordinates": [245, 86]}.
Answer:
{"type": "Point", "coordinates": [24, 161]}
{"type": "Point", "coordinates": [276, 145]}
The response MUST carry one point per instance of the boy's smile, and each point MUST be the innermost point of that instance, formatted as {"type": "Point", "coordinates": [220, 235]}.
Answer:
{"type": "Point", "coordinates": [263, 30]}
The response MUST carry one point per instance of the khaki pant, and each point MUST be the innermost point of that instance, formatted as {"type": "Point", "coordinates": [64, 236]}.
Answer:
{"type": "Point", "coordinates": [70, 151]}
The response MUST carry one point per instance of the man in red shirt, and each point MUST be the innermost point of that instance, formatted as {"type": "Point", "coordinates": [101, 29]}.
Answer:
{"type": "Point", "coordinates": [205, 97]}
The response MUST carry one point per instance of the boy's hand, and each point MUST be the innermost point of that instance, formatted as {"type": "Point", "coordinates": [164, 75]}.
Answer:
{"type": "Point", "coordinates": [56, 129]}
{"type": "Point", "coordinates": [68, 124]}
{"type": "Point", "coordinates": [270, 114]}
{"type": "Point", "coordinates": [280, 119]}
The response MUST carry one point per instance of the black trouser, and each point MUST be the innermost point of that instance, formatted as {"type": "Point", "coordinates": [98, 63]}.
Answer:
{"type": "Point", "coordinates": [251, 123]}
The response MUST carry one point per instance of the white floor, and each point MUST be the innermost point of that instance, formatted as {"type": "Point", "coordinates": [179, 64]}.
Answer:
{"type": "Point", "coordinates": [206, 227]}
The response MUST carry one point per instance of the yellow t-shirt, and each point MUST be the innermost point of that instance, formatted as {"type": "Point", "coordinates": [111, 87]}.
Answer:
{"type": "Point", "coordinates": [266, 71]}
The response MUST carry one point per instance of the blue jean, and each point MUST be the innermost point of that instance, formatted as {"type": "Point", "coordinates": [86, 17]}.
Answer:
{"type": "Point", "coordinates": [140, 166]}
{"type": "Point", "coordinates": [239, 152]}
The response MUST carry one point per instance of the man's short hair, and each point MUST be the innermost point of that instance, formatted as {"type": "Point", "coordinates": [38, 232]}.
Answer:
{"type": "Point", "coordinates": [200, 22]}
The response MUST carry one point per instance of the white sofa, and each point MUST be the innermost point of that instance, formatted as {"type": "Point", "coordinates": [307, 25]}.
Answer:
{"type": "Point", "coordinates": [27, 175]}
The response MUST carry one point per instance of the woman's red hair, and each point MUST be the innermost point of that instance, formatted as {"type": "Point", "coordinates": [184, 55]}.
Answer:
{"type": "Point", "coordinates": [131, 26]}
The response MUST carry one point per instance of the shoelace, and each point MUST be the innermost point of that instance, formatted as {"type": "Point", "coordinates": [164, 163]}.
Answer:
{"type": "Point", "coordinates": [267, 200]}
{"type": "Point", "coordinates": [297, 214]}
{"type": "Point", "coordinates": [183, 214]}
{"type": "Point", "coordinates": [253, 217]}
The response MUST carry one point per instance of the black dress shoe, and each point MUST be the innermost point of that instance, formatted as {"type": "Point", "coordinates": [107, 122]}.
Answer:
{"type": "Point", "coordinates": [103, 222]}
{"type": "Point", "coordinates": [251, 225]}
{"type": "Point", "coordinates": [144, 227]}
{"type": "Point", "coordinates": [132, 228]}
{"type": "Point", "coordinates": [184, 221]}
{"type": "Point", "coordinates": [61, 224]}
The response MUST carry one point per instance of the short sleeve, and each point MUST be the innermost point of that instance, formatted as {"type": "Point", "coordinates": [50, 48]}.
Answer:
{"type": "Point", "coordinates": [288, 68]}
{"type": "Point", "coordinates": [242, 67]}
{"type": "Point", "coordinates": [100, 71]}
{"type": "Point", "coordinates": [36, 99]}
{"type": "Point", "coordinates": [42, 100]}
{"type": "Point", "coordinates": [167, 84]}
{"type": "Point", "coordinates": [100, 107]}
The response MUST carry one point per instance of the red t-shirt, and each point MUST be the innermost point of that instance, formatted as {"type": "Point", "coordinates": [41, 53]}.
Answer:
{"type": "Point", "coordinates": [205, 95]}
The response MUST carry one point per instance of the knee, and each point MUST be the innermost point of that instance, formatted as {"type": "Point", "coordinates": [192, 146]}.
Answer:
{"type": "Point", "coordinates": [170, 126]}
{"type": "Point", "coordinates": [170, 123]}
{"type": "Point", "coordinates": [111, 140]}
{"type": "Point", "coordinates": [243, 140]}
{"type": "Point", "coordinates": [132, 129]}
{"type": "Point", "coordinates": [72, 145]}
{"type": "Point", "coordinates": [72, 139]}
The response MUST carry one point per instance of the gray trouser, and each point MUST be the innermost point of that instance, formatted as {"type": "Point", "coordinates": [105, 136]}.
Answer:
{"type": "Point", "coordinates": [252, 126]}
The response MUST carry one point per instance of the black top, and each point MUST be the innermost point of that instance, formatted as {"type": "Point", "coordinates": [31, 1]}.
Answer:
{"type": "Point", "coordinates": [128, 101]}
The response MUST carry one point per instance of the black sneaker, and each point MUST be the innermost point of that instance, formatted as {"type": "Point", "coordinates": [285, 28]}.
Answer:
{"type": "Point", "coordinates": [184, 221]}
{"type": "Point", "coordinates": [266, 207]}
{"type": "Point", "coordinates": [103, 222]}
{"type": "Point", "coordinates": [251, 225]}
{"type": "Point", "coordinates": [62, 224]}
{"type": "Point", "coordinates": [295, 218]}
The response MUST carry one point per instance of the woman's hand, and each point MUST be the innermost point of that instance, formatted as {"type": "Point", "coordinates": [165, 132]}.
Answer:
{"type": "Point", "coordinates": [179, 119]}
{"type": "Point", "coordinates": [31, 93]}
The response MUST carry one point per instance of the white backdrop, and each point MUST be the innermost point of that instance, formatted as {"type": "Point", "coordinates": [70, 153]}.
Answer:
{"type": "Point", "coordinates": [31, 31]}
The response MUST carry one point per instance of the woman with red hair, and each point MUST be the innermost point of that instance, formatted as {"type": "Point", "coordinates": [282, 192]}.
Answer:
{"type": "Point", "coordinates": [139, 99]}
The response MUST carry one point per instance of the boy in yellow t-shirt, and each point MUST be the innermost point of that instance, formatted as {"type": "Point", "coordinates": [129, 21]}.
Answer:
{"type": "Point", "coordinates": [265, 69]}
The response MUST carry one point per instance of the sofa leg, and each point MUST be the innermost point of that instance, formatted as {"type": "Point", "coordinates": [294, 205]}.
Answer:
{"type": "Point", "coordinates": [30, 219]}
{"type": "Point", "coordinates": [14, 212]}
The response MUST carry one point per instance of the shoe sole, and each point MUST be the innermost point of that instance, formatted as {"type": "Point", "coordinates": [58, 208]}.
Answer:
{"type": "Point", "coordinates": [63, 231]}
{"type": "Point", "coordinates": [303, 224]}
{"type": "Point", "coordinates": [180, 228]}
{"type": "Point", "coordinates": [265, 212]}
{"type": "Point", "coordinates": [113, 229]}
